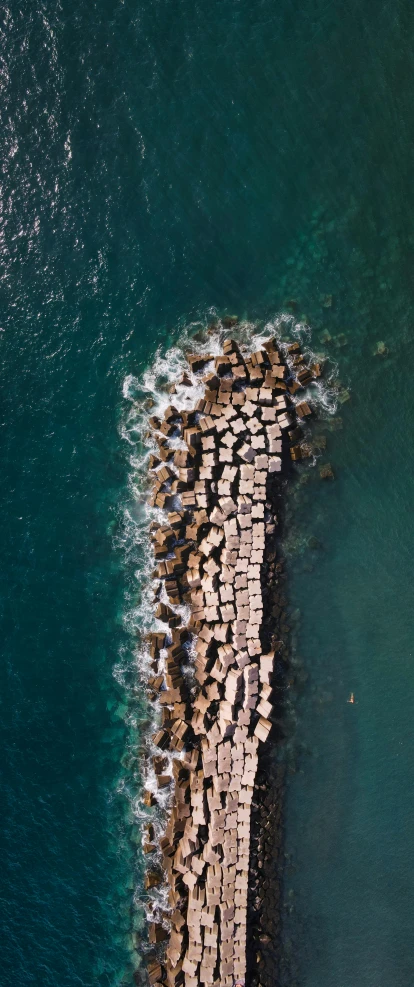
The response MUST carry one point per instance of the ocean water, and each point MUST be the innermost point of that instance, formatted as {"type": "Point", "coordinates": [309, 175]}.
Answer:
{"type": "Point", "coordinates": [159, 161]}
{"type": "Point", "coordinates": [348, 880]}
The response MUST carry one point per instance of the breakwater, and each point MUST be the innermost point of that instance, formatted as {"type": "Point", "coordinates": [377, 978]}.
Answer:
{"type": "Point", "coordinates": [219, 660]}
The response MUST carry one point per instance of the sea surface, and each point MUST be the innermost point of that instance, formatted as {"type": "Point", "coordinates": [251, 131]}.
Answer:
{"type": "Point", "coordinates": [159, 162]}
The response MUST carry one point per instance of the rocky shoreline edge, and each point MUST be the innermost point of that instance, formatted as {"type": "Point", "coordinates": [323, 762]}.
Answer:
{"type": "Point", "coordinates": [220, 663]}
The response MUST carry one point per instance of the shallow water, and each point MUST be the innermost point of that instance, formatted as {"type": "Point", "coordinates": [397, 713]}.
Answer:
{"type": "Point", "coordinates": [156, 161]}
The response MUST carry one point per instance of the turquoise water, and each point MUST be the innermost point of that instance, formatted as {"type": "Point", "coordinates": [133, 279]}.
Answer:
{"type": "Point", "coordinates": [157, 160]}
{"type": "Point", "coordinates": [350, 805]}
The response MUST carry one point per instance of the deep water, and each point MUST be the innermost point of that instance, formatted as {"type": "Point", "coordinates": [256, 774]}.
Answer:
{"type": "Point", "coordinates": [158, 160]}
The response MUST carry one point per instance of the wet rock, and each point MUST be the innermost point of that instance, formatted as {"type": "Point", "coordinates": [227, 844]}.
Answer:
{"type": "Point", "coordinates": [229, 320]}
{"type": "Point", "coordinates": [148, 798]}
{"type": "Point", "coordinates": [157, 933]}
{"type": "Point", "coordinates": [152, 880]}
{"type": "Point", "coordinates": [200, 336]}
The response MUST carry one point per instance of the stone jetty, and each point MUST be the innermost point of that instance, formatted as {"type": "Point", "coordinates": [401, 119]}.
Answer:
{"type": "Point", "coordinates": [217, 476]}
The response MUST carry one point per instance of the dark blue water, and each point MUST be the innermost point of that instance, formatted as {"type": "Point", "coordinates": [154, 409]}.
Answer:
{"type": "Point", "coordinates": [157, 160]}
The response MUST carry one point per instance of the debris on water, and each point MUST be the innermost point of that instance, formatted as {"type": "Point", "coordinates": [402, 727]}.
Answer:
{"type": "Point", "coordinates": [326, 301]}
{"type": "Point", "coordinates": [381, 349]}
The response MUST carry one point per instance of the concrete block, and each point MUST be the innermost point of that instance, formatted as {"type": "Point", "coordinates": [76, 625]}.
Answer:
{"type": "Point", "coordinates": [262, 729]}
{"type": "Point", "coordinates": [247, 471]}
{"type": "Point", "coordinates": [257, 442]}
{"type": "Point", "coordinates": [225, 455]}
{"type": "Point", "coordinates": [240, 581]}
{"type": "Point", "coordinates": [238, 426]}
{"type": "Point", "coordinates": [229, 439]}
{"type": "Point", "coordinates": [246, 452]}
{"type": "Point", "coordinates": [254, 425]}
{"type": "Point", "coordinates": [264, 708]}
{"type": "Point", "coordinates": [229, 473]}
{"type": "Point", "coordinates": [227, 505]}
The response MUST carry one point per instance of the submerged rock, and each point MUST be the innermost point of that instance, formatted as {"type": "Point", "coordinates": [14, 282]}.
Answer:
{"type": "Point", "coordinates": [199, 336]}
{"type": "Point", "coordinates": [326, 472]}
{"type": "Point", "coordinates": [319, 443]}
{"type": "Point", "coordinates": [334, 424]}
{"type": "Point", "coordinates": [326, 336]}
{"type": "Point", "coordinates": [381, 349]}
{"type": "Point", "coordinates": [341, 340]}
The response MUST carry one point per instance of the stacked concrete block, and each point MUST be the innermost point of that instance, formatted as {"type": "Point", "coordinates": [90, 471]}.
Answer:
{"type": "Point", "coordinates": [214, 677]}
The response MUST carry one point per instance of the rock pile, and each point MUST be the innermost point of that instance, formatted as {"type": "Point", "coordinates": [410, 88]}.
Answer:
{"type": "Point", "coordinates": [214, 675]}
